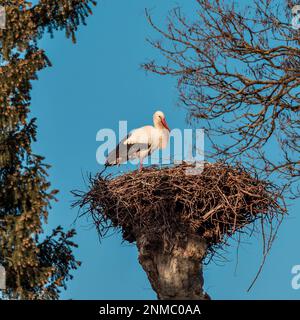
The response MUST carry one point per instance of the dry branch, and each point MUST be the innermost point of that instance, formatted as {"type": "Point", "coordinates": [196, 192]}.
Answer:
{"type": "Point", "coordinates": [237, 72]}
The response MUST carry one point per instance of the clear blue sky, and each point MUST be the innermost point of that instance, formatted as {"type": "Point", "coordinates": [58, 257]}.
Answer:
{"type": "Point", "coordinates": [93, 85]}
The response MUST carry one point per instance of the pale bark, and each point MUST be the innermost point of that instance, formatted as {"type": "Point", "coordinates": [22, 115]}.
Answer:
{"type": "Point", "coordinates": [175, 273]}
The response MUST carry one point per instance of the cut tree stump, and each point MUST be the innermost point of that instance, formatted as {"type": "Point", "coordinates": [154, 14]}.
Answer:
{"type": "Point", "coordinates": [176, 274]}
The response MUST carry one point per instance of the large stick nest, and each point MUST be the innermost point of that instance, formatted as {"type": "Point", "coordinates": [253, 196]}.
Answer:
{"type": "Point", "coordinates": [166, 203]}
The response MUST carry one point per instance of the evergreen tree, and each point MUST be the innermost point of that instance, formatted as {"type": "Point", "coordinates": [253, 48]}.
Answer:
{"type": "Point", "coordinates": [36, 269]}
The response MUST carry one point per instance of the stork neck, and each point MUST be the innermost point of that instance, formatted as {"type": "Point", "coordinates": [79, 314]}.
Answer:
{"type": "Point", "coordinates": [157, 124]}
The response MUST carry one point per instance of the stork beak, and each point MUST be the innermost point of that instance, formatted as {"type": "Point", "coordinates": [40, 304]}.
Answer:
{"type": "Point", "coordinates": [163, 121]}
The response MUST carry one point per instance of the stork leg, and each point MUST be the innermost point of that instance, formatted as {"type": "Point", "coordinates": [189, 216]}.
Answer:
{"type": "Point", "coordinates": [141, 166]}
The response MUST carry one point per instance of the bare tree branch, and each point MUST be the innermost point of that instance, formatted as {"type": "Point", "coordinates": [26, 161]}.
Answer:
{"type": "Point", "coordinates": [238, 71]}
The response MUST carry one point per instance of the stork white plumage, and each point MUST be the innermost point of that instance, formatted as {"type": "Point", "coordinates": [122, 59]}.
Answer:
{"type": "Point", "coordinates": [141, 142]}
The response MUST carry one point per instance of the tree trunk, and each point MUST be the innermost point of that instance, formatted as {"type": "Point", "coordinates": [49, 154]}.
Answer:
{"type": "Point", "coordinates": [175, 273]}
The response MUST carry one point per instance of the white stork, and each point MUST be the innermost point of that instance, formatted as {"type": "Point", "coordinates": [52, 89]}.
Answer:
{"type": "Point", "coordinates": [141, 142]}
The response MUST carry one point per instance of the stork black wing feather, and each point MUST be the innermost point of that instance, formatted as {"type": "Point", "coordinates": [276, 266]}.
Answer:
{"type": "Point", "coordinates": [124, 152]}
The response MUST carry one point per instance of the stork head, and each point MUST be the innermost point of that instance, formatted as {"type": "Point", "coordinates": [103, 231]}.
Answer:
{"type": "Point", "coordinates": [159, 120]}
